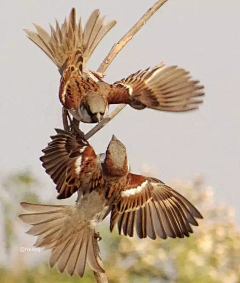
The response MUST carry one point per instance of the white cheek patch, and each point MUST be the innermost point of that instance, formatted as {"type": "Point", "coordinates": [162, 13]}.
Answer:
{"type": "Point", "coordinates": [78, 164]}
{"type": "Point", "coordinates": [133, 191]}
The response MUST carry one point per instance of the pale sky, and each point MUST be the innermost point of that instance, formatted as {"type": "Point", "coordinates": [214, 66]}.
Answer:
{"type": "Point", "coordinates": [201, 36]}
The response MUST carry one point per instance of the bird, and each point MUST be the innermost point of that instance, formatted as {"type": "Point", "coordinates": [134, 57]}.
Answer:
{"type": "Point", "coordinates": [137, 204]}
{"type": "Point", "coordinates": [87, 96]}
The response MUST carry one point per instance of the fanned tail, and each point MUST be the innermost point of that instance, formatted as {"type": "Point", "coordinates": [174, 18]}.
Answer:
{"type": "Point", "coordinates": [58, 229]}
{"type": "Point", "coordinates": [66, 39]}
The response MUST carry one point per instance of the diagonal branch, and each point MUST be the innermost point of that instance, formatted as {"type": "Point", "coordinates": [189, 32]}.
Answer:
{"type": "Point", "coordinates": [104, 122]}
{"type": "Point", "coordinates": [114, 52]}
{"type": "Point", "coordinates": [102, 277]}
{"type": "Point", "coordinates": [128, 36]}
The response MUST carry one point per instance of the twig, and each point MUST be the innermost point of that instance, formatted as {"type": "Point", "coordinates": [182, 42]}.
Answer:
{"type": "Point", "coordinates": [128, 36]}
{"type": "Point", "coordinates": [102, 277]}
{"type": "Point", "coordinates": [104, 122]}
{"type": "Point", "coordinates": [113, 53]}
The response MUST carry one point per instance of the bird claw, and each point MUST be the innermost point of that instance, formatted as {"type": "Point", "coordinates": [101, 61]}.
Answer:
{"type": "Point", "coordinates": [97, 236]}
{"type": "Point", "coordinates": [75, 127]}
{"type": "Point", "coordinates": [98, 74]}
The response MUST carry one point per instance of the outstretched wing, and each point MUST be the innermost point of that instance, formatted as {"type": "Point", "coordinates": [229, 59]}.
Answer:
{"type": "Point", "coordinates": [70, 37]}
{"type": "Point", "coordinates": [161, 88]}
{"type": "Point", "coordinates": [153, 209]}
{"type": "Point", "coordinates": [71, 163]}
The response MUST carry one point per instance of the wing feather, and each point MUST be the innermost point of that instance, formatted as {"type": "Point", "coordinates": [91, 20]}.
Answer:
{"type": "Point", "coordinates": [153, 209]}
{"type": "Point", "coordinates": [161, 88]}
{"type": "Point", "coordinates": [71, 163]}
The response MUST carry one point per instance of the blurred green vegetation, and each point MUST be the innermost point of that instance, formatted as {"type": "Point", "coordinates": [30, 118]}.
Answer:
{"type": "Point", "coordinates": [211, 254]}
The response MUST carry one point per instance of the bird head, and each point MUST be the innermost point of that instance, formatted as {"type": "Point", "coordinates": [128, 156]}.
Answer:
{"type": "Point", "coordinates": [93, 108]}
{"type": "Point", "coordinates": [114, 162]}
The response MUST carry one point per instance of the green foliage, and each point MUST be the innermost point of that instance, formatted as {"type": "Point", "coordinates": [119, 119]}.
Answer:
{"type": "Point", "coordinates": [40, 274]}
{"type": "Point", "coordinates": [15, 188]}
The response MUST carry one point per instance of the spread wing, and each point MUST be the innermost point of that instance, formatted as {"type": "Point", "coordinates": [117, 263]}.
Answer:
{"type": "Point", "coordinates": [153, 209]}
{"type": "Point", "coordinates": [71, 163]}
{"type": "Point", "coordinates": [161, 88]}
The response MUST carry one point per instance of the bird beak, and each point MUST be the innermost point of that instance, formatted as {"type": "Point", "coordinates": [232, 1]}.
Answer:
{"type": "Point", "coordinates": [113, 138]}
{"type": "Point", "coordinates": [99, 117]}
{"type": "Point", "coordinates": [96, 118]}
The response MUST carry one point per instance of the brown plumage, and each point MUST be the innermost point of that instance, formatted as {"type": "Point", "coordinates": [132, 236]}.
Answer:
{"type": "Point", "coordinates": [138, 204]}
{"type": "Point", "coordinates": [86, 95]}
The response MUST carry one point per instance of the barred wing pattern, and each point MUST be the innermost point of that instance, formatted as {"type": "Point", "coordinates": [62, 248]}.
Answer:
{"type": "Point", "coordinates": [152, 209]}
{"type": "Point", "coordinates": [71, 163]}
{"type": "Point", "coordinates": [161, 88]}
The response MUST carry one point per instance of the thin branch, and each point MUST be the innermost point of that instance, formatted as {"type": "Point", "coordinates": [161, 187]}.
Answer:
{"type": "Point", "coordinates": [104, 122]}
{"type": "Point", "coordinates": [128, 36]}
{"type": "Point", "coordinates": [114, 52]}
{"type": "Point", "coordinates": [101, 277]}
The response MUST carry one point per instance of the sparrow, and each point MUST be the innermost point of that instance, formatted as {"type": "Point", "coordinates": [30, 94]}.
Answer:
{"type": "Point", "coordinates": [87, 96]}
{"type": "Point", "coordinates": [137, 204]}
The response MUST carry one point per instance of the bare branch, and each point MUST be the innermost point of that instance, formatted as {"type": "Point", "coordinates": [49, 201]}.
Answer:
{"type": "Point", "coordinates": [128, 36]}
{"type": "Point", "coordinates": [104, 122]}
{"type": "Point", "coordinates": [113, 53]}
{"type": "Point", "coordinates": [101, 277]}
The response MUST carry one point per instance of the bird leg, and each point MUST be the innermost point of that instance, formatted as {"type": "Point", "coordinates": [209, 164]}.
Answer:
{"type": "Point", "coordinates": [66, 119]}
{"type": "Point", "coordinates": [98, 75]}
{"type": "Point", "coordinates": [75, 128]}
{"type": "Point", "coordinates": [97, 236]}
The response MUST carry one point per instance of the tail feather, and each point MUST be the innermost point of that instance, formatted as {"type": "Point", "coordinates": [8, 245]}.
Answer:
{"type": "Point", "coordinates": [42, 228]}
{"type": "Point", "coordinates": [75, 257]}
{"type": "Point", "coordinates": [70, 37]}
{"type": "Point", "coordinates": [94, 253]}
{"type": "Point", "coordinates": [35, 37]}
{"type": "Point", "coordinates": [59, 229]}
{"type": "Point", "coordinates": [94, 32]}
{"type": "Point", "coordinates": [35, 208]}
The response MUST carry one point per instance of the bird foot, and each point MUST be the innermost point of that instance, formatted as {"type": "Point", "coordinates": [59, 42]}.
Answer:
{"type": "Point", "coordinates": [75, 128]}
{"type": "Point", "coordinates": [98, 75]}
{"type": "Point", "coordinates": [97, 236]}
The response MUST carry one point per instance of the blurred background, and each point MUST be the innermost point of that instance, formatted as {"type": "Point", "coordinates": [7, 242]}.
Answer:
{"type": "Point", "coordinates": [196, 153]}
